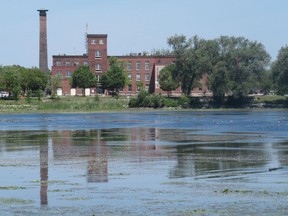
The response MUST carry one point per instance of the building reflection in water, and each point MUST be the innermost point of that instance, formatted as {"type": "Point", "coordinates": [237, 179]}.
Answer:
{"type": "Point", "coordinates": [83, 144]}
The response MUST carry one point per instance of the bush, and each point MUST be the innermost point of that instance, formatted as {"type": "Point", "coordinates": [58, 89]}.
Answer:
{"type": "Point", "coordinates": [133, 102]}
{"type": "Point", "coordinates": [145, 100]}
{"type": "Point", "coordinates": [169, 102]}
{"type": "Point", "coordinates": [157, 101]}
{"type": "Point", "coordinates": [184, 101]}
{"type": "Point", "coordinates": [141, 97]}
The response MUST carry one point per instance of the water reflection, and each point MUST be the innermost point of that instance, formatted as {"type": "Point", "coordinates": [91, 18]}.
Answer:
{"type": "Point", "coordinates": [195, 155]}
{"type": "Point", "coordinates": [44, 173]}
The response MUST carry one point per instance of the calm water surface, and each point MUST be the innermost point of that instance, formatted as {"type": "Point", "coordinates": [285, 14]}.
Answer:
{"type": "Point", "coordinates": [148, 163]}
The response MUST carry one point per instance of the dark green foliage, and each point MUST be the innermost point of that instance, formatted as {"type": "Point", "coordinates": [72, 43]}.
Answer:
{"type": "Point", "coordinates": [167, 81]}
{"type": "Point", "coordinates": [171, 102]}
{"type": "Point", "coordinates": [145, 100]}
{"type": "Point", "coordinates": [184, 101]}
{"type": "Point", "coordinates": [194, 57]}
{"type": "Point", "coordinates": [280, 71]}
{"type": "Point", "coordinates": [115, 78]}
{"type": "Point", "coordinates": [33, 79]}
{"type": "Point", "coordinates": [239, 67]}
{"type": "Point", "coordinates": [11, 79]}
{"type": "Point", "coordinates": [83, 78]}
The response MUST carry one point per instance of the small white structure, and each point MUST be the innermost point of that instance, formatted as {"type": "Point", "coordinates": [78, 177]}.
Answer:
{"type": "Point", "coordinates": [59, 92]}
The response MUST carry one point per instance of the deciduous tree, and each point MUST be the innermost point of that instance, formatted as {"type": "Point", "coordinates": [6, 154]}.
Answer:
{"type": "Point", "coordinates": [167, 81]}
{"type": "Point", "coordinates": [194, 57]}
{"type": "Point", "coordinates": [116, 77]}
{"type": "Point", "coordinates": [83, 78]}
{"type": "Point", "coordinates": [280, 71]}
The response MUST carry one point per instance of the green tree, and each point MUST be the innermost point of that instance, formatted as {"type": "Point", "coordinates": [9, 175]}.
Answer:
{"type": "Point", "coordinates": [166, 80]}
{"type": "Point", "coordinates": [194, 57]}
{"type": "Point", "coordinates": [83, 78]}
{"type": "Point", "coordinates": [11, 76]}
{"type": "Point", "coordinates": [33, 79]}
{"type": "Point", "coordinates": [238, 68]}
{"type": "Point", "coordinates": [280, 71]}
{"type": "Point", "coordinates": [2, 86]}
{"type": "Point", "coordinates": [116, 77]}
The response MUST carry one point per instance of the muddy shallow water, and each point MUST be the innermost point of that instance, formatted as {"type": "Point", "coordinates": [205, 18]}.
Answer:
{"type": "Point", "coordinates": [148, 163]}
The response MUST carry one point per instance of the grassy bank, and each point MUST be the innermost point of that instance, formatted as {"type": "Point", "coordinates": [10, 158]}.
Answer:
{"type": "Point", "coordinates": [64, 104]}
{"type": "Point", "coordinates": [104, 104]}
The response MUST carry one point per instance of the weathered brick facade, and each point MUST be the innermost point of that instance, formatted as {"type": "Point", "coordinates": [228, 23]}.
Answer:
{"type": "Point", "coordinates": [141, 68]}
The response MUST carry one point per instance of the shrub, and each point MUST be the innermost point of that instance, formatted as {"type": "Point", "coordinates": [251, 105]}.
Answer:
{"type": "Point", "coordinates": [184, 101]}
{"type": "Point", "coordinates": [133, 102]}
{"type": "Point", "coordinates": [169, 102]}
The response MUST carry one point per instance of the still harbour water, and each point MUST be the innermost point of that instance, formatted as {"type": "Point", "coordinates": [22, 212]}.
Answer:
{"type": "Point", "coordinates": [144, 163]}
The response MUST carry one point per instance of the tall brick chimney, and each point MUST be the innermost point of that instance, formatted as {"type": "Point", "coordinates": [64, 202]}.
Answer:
{"type": "Point", "coordinates": [43, 57]}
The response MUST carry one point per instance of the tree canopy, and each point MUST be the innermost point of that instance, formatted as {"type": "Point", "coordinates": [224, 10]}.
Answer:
{"type": "Point", "coordinates": [166, 80]}
{"type": "Point", "coordinates": [239, 66]}
{"type": "Point", "coordinates": [33, 79]}
{"type": "Point", "coordinates": [280, 71]}
{"type": "Point", "coordinates": [83, 78]}
{"type": "Point", "coordinates": [116, 77]}
{"type": "Point", "coordinates": [194, 57]}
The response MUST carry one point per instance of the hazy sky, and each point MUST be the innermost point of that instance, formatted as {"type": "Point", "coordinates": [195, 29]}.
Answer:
{"type": "Point", "coordinates": [134, 25]}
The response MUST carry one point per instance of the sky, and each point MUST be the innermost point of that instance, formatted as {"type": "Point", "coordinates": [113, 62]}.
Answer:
{"type": "Point", "coordinates": [134, 25]}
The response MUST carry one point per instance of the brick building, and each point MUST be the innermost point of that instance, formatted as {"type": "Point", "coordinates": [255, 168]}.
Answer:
{"type": "Point", "coordinates": [140, 68]}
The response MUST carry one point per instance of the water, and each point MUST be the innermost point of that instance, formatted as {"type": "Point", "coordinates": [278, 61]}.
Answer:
{"type": "Point", "coordinates": [148, 163]}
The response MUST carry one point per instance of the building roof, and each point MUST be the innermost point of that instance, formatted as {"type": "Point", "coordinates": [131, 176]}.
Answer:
{"type": "Point", "coordinates": [143, 56]}
{"type": "Point", "coordinates": [97, 36]}
{"type": "Point", "coordinates": [70, 56]}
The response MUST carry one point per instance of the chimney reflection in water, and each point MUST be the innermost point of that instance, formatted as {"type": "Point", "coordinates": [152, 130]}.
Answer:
{"type": "Point", "coordinates": [44, 173]}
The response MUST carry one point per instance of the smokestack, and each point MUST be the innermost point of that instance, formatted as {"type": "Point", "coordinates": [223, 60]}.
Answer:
{"type": "Point", "coordinates": [43, 59]}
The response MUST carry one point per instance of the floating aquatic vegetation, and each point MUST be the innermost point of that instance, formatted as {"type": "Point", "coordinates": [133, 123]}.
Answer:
{"type": "Point", "coordinates": [12, 188]}
{"type": "Point", "coordinates": [15, 201]}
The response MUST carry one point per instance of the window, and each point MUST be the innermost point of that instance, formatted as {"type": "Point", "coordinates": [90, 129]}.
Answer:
{"type": "Point", "coordinates": [59, 73]}
{"type": "Point", "coordinates": [98, 54]}
{"type": "Point", "coordinates": [58, 63]}
{"type": "Point", "coordinates": [68, 73]}
{"type": "Point", "coordinates": [93, 41]}
{"type": "Point", "coordinates": [101, 41]}
{"type": "Point", "coordinates": [147, 65]}
{"type": "Point", "coordinates": [129, 66]}
{"type": "Point", "coordinates": [85, 63]}
{"type": "Point", "coordinates": [138, 65]}
{"type": "Point", "coordinates": [147, 77]}
{"type": "Point", "coordinates": [67, 63]}
{"type": "Point", "coordinates": [98, 78]}
{"type": "Point", "coordinates": [98, 67]}
{"type": "Point", "coordinates": [138, 77]}
{"type": "Point", "coordinates": [129, 88]}
{"type": "Point", "coordinates": [76, 63]}
{"type": "Point", "coordinates": [130, 76]}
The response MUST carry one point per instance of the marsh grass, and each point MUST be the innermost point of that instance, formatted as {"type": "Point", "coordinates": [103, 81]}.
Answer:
{"type": "Point", "coordinates": [101, 104]}
{"type": "Point", "coordinates": [64, 104]}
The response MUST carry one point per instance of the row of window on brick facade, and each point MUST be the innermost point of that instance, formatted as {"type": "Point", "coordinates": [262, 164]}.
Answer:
{"type": "Point", "coordinates": [67, 74]}
{"type": "Point", "coordinates": [100, 41]}
{"type": "Point", "coordinates": [138, 65]}
{"type": "Point", "coordinates": [138, 76]}
{"type": "Point", "coordinates": [68, 63]}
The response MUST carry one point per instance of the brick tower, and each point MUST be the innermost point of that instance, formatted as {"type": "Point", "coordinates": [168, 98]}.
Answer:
{"type": "Point", "coordinates": [43, 59]}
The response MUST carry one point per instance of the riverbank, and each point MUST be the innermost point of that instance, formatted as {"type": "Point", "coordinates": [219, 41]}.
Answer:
{"type": "Point", "coordinates": [110, 104]}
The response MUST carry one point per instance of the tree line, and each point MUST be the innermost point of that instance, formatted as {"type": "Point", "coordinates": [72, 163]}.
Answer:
{"type": "Point", "coordinates": [235, 66]}
{"type": "Point", "coordinates": [19, 81]}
